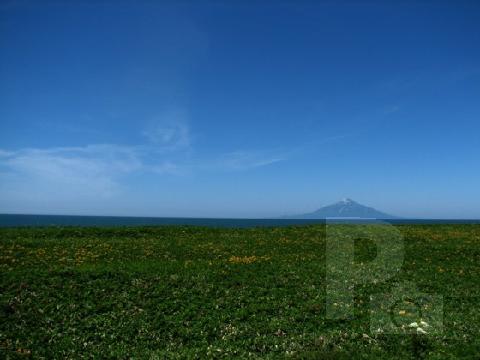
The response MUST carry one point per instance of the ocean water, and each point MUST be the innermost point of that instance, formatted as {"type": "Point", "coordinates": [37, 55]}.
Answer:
{"type": "Point", "coordinates": [14, 220]}
{"type": "Point", "coordinates": [11, 220]}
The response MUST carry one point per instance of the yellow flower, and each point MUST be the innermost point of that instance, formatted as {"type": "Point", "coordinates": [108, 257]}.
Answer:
{"type": "Point", "coordinates": [243, 260]}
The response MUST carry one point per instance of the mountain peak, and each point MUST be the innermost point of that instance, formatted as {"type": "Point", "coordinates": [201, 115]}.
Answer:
{"type": "Point", "coordinates": [346, 208]}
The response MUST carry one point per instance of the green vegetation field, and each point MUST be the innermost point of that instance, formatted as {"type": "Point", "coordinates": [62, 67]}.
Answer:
{"type": "Point", "coordinates": [192, 292]}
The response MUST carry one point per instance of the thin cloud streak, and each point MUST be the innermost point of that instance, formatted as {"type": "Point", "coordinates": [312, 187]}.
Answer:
{"type": "Point", "coordinates": [85, 170]}
{"type": "Point", "coordinates": [100, 168]}
{"type": "Point", "coordinates": [244, 160]}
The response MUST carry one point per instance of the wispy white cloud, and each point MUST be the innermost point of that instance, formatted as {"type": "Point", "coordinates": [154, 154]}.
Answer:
{"type": "Point", "coordinates": [98, 171]}
{"type": "Point", "coordinates": [244, 160]}
{"type": "Point", "coordinates": [4, 153]}
{"type": "Point", "coordinates": [60, 178]}
{"type": "Point", "coordinates": [169, 132]}
{"type": "Point", "coordinates": [99, 168]}
{"type": "Point", "coordinates": [169, 167]}
{"type": "Point", "coordinates": [92, 168]}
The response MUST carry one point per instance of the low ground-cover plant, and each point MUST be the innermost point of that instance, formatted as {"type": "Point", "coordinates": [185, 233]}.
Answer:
{"type": "Point", "coordinates": [194, 292]}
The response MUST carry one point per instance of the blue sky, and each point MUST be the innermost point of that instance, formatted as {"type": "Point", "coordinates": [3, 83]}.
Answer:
{"type": "Point", "coordinates": [238, 108]}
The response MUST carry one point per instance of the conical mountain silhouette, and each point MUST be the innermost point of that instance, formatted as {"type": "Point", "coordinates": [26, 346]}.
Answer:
{"type": "Point", "coordinates": [346, 208]}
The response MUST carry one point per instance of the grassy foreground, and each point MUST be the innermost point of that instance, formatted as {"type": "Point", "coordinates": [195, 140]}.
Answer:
{"type": "Point", "coordinates": [192, 292]}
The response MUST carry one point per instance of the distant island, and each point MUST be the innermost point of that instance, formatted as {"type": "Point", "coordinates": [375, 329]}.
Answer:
{"type": "Point", "coordinates": [346, 208]}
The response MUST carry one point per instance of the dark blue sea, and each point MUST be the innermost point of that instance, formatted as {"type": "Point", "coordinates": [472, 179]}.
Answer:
{"type": "Point", "coordinates": [15, 220]}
